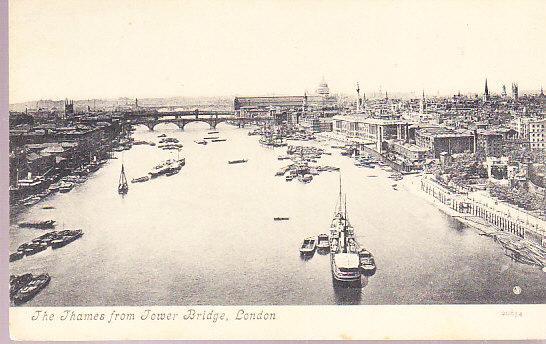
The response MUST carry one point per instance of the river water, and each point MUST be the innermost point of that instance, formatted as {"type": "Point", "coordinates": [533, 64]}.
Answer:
{"type": "Point", "coordinates": [206, 236]}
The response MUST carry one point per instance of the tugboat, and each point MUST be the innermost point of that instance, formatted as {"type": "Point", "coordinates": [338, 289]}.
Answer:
{"type": "Point", "coordinates": [123, 187]}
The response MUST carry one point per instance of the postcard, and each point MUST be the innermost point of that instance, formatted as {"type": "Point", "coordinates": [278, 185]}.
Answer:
{"type": "Point", "coordinates": [276, 170]}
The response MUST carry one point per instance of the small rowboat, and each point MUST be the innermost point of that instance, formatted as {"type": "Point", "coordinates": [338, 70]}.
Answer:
{"type": "Point", "coordinates": [308, 246]}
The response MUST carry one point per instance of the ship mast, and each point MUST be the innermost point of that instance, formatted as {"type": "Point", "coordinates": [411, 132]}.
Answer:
{"type": "Point", "coordinates": [339, 209]}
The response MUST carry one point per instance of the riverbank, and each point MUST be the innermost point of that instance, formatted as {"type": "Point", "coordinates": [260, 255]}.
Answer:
{"type": "Point", "coordinates": [172, 241]}
{"type": "Point", "coordinates": [524, 244]}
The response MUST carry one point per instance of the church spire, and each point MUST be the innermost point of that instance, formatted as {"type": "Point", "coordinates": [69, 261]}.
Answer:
{"type": "Point", "coordinates": [486, 92]}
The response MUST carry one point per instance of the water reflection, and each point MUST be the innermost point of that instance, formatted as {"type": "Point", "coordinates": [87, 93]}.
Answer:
{"type": "Point", "coordinates": [349, 293]}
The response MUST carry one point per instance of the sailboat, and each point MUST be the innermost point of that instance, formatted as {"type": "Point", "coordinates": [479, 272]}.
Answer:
{"type": "Point", "coordinates": [123, 187]}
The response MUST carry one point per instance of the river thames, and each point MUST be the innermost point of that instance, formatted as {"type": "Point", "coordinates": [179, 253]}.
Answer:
{"type": "Point", "coordinates": [206, 236]}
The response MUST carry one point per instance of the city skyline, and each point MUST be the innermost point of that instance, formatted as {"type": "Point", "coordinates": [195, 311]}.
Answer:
{"type": "Point", "coordinates": [188, 49]}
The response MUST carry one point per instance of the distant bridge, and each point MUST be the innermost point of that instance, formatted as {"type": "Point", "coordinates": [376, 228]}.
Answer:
{"type": "Point", "coordinates": [181, 118]}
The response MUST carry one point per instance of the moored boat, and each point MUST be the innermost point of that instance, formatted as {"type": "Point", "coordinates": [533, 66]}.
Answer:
{"type": "Point", "coordinates": [16, 256]}
{"type": "Point", "coordinates": [17, 282]}
{"type": "Point", "coordinates": [308, 246]}
{"type": "Point", "coordinates": [65, 187]}
{"type": "Point", "coordinates": [367, 263]}
{"type": "Point", "coordinates": [32, 201]}
{"type": "Point", "coordinates": [140, 179]}
{"type": "Point", "coordinates": [65, 238]}
{"type": "Point", "coordinates": [38, 224]}
{"type": "Point", "coordinates": [323, 242]}
{"type": "Point", "coordinates": [31, 289]}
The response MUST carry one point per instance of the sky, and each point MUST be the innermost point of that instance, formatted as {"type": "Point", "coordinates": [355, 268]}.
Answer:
{"type": "Point", "coordinates": [143, 48]}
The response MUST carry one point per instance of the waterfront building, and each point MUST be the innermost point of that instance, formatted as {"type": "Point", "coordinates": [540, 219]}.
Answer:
{"type": "Point", "coordinates": [372, 131]}
{"type": "Point", "coordinates": [321, 102]}
{"type": "Point", "coordinates": [408, 155]}
{"type": "Point", "coordinates": [316, 124]}
{"type": "Point", "coordinates": [440, 140]}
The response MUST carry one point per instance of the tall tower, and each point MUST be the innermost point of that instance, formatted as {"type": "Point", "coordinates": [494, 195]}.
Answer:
{"type": "Point", "coordinates": [304, 105]}
{"type": "Point", "coordinates": [486, 92]}
{"type": "Point", "coordinates": [423, 104]}
{"type": "Point", "coordinates": [358, 100]}
{"type": "Point", "coordinates": [515, 91]}
{"type": "Point", "coordinates": [68, 108]}
{"type": "Point", "coordinates": [504, 91]}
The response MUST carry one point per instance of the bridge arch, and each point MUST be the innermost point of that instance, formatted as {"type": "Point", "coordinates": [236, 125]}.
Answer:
{"type": "Point", "coordinates": [142, 126]}
{"type": "Point", "coordinates": [198, 121]}
{"type": "Point", "coordinates": [167, 125]}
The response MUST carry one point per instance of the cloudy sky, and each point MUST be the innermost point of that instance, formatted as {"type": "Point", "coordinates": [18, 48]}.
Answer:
{"type": "Point", "coordinates": [98, 49]}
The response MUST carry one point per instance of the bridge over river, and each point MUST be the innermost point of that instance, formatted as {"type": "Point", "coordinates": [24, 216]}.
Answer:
{"type": "Point", "coordinates": [151, 118]}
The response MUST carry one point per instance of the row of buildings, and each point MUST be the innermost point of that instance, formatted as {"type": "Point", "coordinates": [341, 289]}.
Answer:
{"type": "Point", "coordinates": [412, 132]}
{"type": "Point", "coordinates": [42, 149]}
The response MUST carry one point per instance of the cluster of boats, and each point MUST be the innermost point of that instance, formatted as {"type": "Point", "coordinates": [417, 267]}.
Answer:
{"type": "Point", "coordinates": [169, 167]}
{"type": "Point", "coordinates": [24, 287]}
{"type": "Point", "coordinates": [169, 143]}
{"type": "Point", "coordinates": [52, 239]}
{"type": "Point", "coordinates": [305, 153]}
{"type": "Point", "coordinates": [365, 161]}
{"type": "Point", "coordinates": [41, 187]}
{"type": "Point", "coordinates": [142, 142]}
{"type": "Point", "coordinates": [396, 176]}
{"type": "Point", "coordinates": [123, 144]}
{"type": "Point", "coordinates": [349, 261]}
{"type": "Point", "coordinates": [273, 141]}
{"type": "Point", "coordinates": [303, 172]}
{"type": "Point", "coordinates": [300, 169]}
{"type": "Point", "coordinates": [301, 136]}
